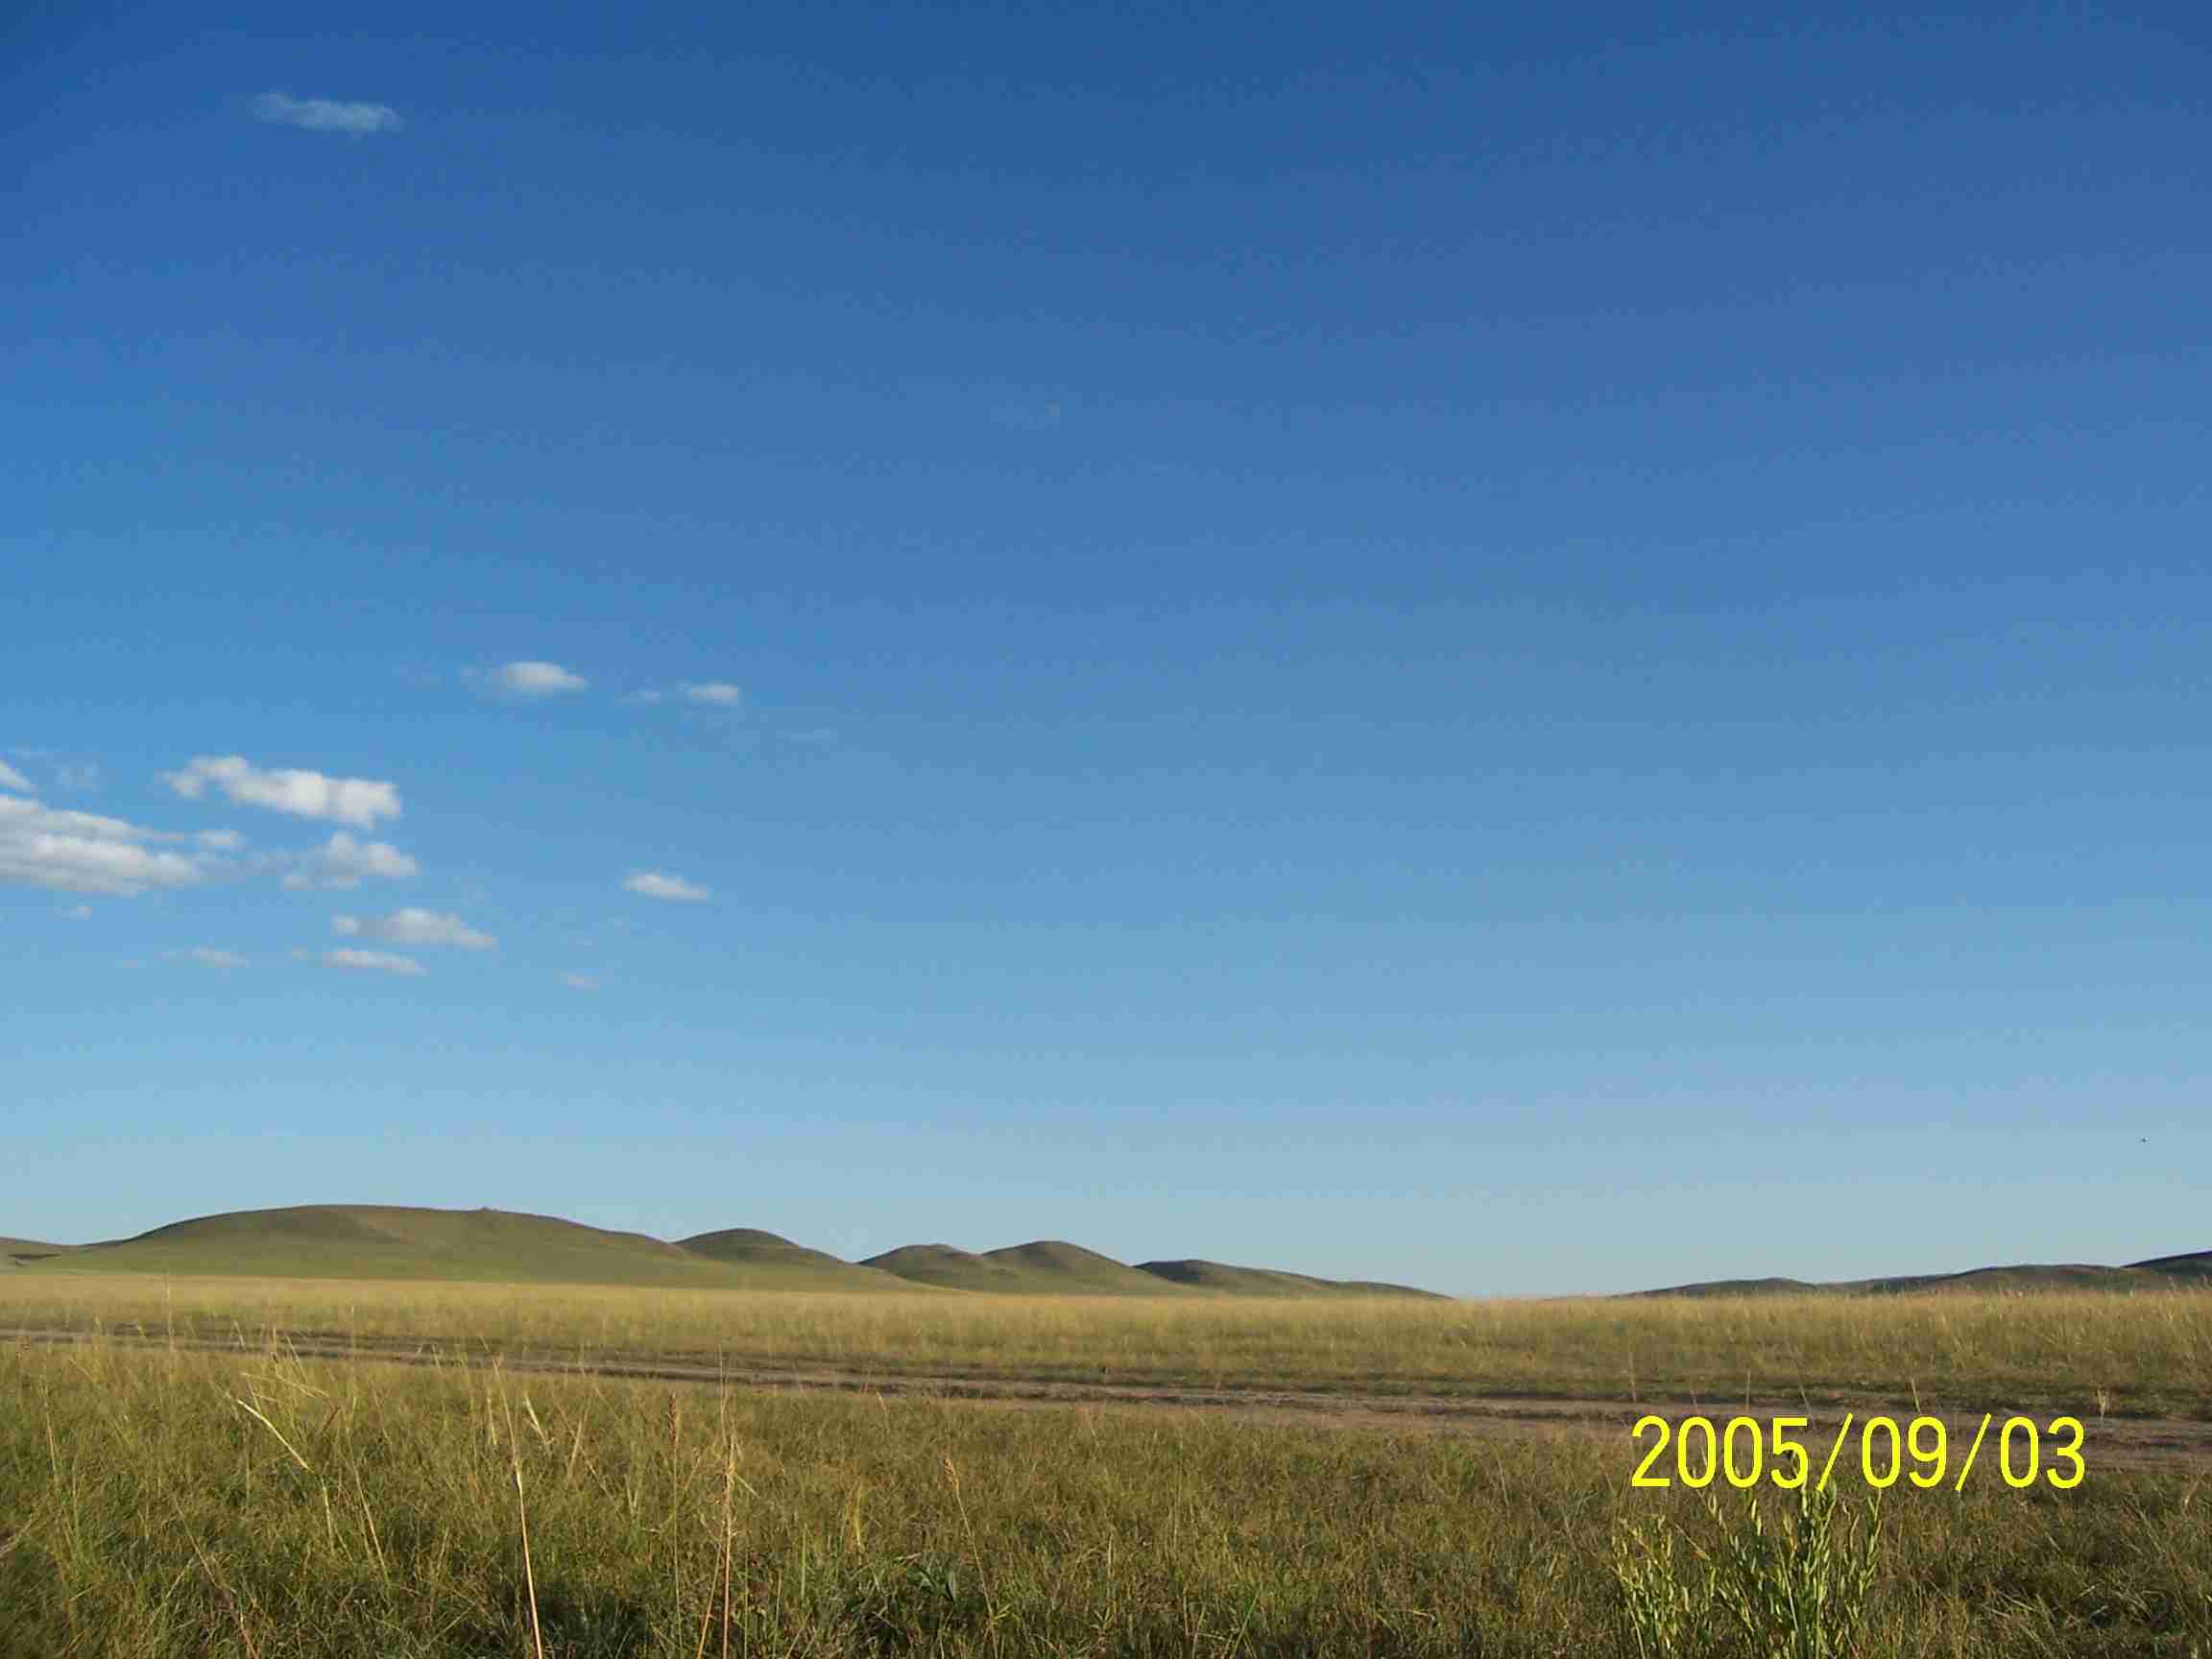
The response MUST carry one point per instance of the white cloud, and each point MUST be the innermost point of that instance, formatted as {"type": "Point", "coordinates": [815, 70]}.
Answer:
{"type": "Point", "coordinates": [325, 115]}
{"type": "Point", "coordinates": [414, 927]}
{"type": "Point", "coordinates": [539, 680]}
{"type": "Point", "coordinates": [207, 957]}
{"type": "Point", "coordinates": [84, 853]}
{"type": "Point", "coordinates": [78, 912]}
{"type": "Point", "coordinates": [220, 840]}
{"type": "Point", "coordinates": [720, 692]}
{"type": "Point", "coordinates": [655, 886]}
{"type": "Point", "coordinates": [345, 862]}
{"type": "Point", "coordinates": [366, 961]}
{"type": "Point", "coordinates": [356, 801]}
{"type": "Point", "coordinates": [11, 779]}
{"type": "Point", "coordinates": [579, 981]}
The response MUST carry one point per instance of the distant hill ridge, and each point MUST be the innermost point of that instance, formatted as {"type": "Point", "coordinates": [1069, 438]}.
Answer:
{"type": "Point", "coordinates": [2190, 1270]}
{"type": "Point", "coordinates": [400, 1242]}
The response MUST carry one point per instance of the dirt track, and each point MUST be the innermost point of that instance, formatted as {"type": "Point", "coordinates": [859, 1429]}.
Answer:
{"type": "Point", "coordinates": [2130, 1440]}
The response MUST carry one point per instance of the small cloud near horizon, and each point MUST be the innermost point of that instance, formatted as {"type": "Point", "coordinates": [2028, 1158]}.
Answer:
{"type": "Point", "coordinates": [537, 679]}
{"type": "Point", "coordinates": [366, 961]}
{"type": "Point", "coordinates": [718, 693]}
{"type": "Point", "coordinates": [207, 957]}
{"type": "Point", "coordinates": [411, 927]}
{"type": "Point", "coordinates": [579, 981]}
{"type": "Point", "coordinates": [325, 114]}
{"type": "Point", "coordinates": [653, 885]}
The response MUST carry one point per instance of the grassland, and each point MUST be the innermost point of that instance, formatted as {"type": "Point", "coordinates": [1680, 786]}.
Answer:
{"type": "Point", "coordinates": [2146, 1352]}
{"type": "Point", "coordinates": [157, 1502]}
{"type": "Point", "coordinates": [158, 1507]}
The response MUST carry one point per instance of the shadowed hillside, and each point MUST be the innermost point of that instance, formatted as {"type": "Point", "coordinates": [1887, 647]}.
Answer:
{"type": "Point", "coordinates": [749, 1247]}
{"type": "Point", "coordinates": [1221, 1280]}
{"type": "Point", "coordinates": [1047, 1267]}
{"type": "Point", "coordinates": [377, 1242]}
{"type": "Point", "coordinates": [21, 1252]}
{"type": "Point", "coordinates": [948, 1268]}
{"type": "Point", "coordinates": [2192, 1271]}
{"type": "Point", "coordinates": [395, 1242]}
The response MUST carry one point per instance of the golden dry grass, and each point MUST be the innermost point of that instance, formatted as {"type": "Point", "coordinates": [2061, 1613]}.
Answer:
{"type": "Point", "coordinates": [2144, 1353]}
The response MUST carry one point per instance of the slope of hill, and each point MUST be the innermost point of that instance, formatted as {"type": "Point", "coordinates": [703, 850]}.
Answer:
{"type": "Point", "coordinates": [21, 1252]}
{"type": "Point", "coordinates": [749, 1247]}
{"type": "Point", "coordinates": [380, 1242]}
{"type": "Point", "coordinates": [1222, 1280]}
{"type": "Point", "coordinates": [2196, 1265]}
{"type": "Point", "coordinates": [948, 1268]}
{"type": "Point", "coordinates": [2159, 1273]}
{"type": "Point", "coordinates": [1046, 1268]}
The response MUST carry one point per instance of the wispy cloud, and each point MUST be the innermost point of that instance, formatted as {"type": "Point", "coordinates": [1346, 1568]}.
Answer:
{"type": "Point", "coordinates": [711, 693]}
{"type": "Point", "coordinates": [538, 680]}
{"type": "Point", "coordinates": [356, 801]}
{"type": "Point", "coordinates": [343, 862]}
{"type": "Point", "coordinates": [78, 912]}
{"type": "Point", "coordinates": [325, 114]}
{"type": "Point", "coordinates": [579, 981]}
{"type": "Point", "coordinates": [653, 885]}
{"type": "Point", "coordinates": [41, 846]}
{"type": "Point", "coordinates": [11, 779]}
{"type": "Point", "coordinates": [718, 693]}
{"type": "Point", "coordinates": [414, 927]}
{"type": "Point", "coordinates": [366, 961]}
{"type": "Point", "coordinates": [207, 957]}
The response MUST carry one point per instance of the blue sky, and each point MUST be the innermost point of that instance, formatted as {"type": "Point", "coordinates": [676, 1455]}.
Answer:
{"type": "Point", "coordinates": [1528, 653]}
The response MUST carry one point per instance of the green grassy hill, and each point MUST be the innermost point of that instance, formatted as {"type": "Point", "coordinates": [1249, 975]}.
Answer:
{"type": "Point", "coordinates": [1221, 1280]}
{"type": "Point", "coordinates": [2196, 1265]}
{"type": "Point", "coordinates": [378, 1241]}
{"type": "Point", "coordinates": [2159, 1273]}
{"type": "Point", "coordinates": [393, 1242]}
{"type": "Point", "coordinates": [948, 1268]}
{"type": "Point", "coordinates": [1047, 1267]}
{"type": "Point", "coordinates": [751, 1248]}
{"type": "Point", "coordinates": [22, 1251]}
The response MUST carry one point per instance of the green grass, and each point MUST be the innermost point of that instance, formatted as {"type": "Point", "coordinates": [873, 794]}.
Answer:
{"type": "Point", "coordinates": [160, 1506]}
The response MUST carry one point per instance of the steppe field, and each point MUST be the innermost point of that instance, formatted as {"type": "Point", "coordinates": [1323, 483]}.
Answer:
{"type": "Point", "coordinates": [229, 1464]}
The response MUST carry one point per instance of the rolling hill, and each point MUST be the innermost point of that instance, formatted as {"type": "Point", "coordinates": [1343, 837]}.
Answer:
{"type": "Point", "coordinates": [751, 1248]}
{"type": "Point", "coordinates": [380, 1242]}
{"type": "Point", "coordinates": [1222, 1280]}
{"type": "Point", "coordinates": [2192, 1271]}
{"type": "Point", "coordinates": [396, 1241]}
{"type": "Point", "coordinates": [1046, 1268]}
{"type": "Point", "coordinates": [21, 1252]}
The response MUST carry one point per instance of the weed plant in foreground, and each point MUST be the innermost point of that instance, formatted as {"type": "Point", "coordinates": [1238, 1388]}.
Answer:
{"type": "Point", "coordinates": [251, 1504]}
{"type": "Point", "coordinates": [2086, 1353]}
